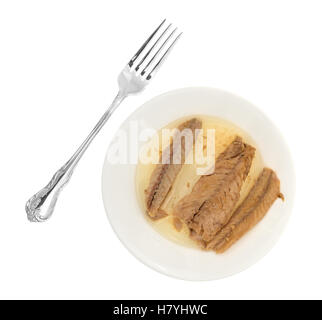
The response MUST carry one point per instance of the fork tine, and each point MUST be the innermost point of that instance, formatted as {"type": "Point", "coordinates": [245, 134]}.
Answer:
{"type": "Point", "coordinates": [162, 59]}
{"type": "Point", "coordinates": [159, 50]}
{"type": "Point", "coordinates": [155, 43]}
{"type": "Point", "coordinates": [145, 44]}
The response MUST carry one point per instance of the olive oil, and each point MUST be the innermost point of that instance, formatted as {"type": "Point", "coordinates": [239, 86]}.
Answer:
{"type": "Point", "coordinates": [225, 132]}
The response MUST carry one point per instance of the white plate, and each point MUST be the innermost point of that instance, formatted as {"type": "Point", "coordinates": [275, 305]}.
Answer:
{"type": "Point", "coordinates": [159, 253]}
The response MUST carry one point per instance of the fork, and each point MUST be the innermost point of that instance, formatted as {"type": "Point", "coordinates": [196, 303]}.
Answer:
{"type": "Point", "coordinates": [136, 75]}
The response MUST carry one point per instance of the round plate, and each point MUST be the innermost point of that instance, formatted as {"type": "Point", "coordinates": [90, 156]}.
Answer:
{"type": "Point", "coordinates": [150, 247]}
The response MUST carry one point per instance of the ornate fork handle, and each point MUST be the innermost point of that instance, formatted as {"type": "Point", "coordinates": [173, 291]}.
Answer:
{"type": "Point", "coordinates": [45, 199]}
{"type": "Point", "coordinates": [40, 206]}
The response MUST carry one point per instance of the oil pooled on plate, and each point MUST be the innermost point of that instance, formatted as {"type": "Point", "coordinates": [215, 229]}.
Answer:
{"type": "Point", "coordinates": [225, 132]}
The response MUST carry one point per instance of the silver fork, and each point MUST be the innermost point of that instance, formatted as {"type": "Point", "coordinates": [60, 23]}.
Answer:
{"type": "Point", "coordinates": [132, 79]}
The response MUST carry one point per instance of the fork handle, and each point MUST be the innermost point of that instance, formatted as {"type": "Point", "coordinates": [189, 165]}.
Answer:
{"type": "Point", "coordinates": [40, 206]}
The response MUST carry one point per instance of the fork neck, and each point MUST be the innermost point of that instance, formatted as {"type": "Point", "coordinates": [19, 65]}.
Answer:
{"type": "Point", "coordinates": [121, 95]}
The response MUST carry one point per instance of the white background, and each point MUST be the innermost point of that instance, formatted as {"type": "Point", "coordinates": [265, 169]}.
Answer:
{"type": "Point", "coordinates": [58, 66]}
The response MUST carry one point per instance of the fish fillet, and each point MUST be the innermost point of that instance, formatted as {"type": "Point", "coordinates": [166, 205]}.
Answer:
{"type": "Point", "coordinates": [164, 175]}
{"type": "Point", "coordinates": [211, 203]}
{"type": "Point", "coordinates": [263, 194]}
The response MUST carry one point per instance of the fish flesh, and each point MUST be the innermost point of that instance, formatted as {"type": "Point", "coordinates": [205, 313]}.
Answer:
{"type": "Point", "coordinates": [212, 200]}
{"type": "Point", "coordinates": [167, 169]}
{"type": "Point", "coordinates": [260, 198]}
